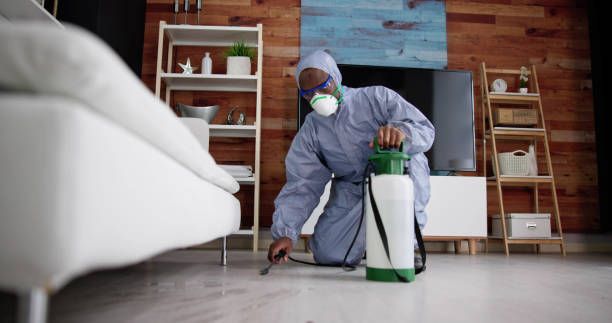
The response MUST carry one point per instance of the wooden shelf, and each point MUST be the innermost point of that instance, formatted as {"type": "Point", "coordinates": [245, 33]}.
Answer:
{"type": "Point", "coordinates": [522, 134]}
{"type": "Point", "coordinates": [525, 179]}
{"type": "Point", "coordinates": [505, 71]}
{"type": "Point", "coordinates": [535, 241]}
{"type": "Point", "coordinates": [516, 98]}
{"type": "Point", "coordinates": [212, 82]}
{"type": "Point", "coordinates": [552, 240]}
{"type": "Point", "coordinates": [519, 180]}
{"type": "Point", "coordinates": [211, 36]}
{"type": "Point", "coordinates": [231, 131]}
{"type": "Point", "coordinates": [516, 133]}
{"type": "Point", "coordinates": [515, 94]}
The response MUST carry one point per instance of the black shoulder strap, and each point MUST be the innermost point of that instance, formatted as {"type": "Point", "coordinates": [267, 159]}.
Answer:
{"type": "Point", "coordinates": [419, 236]}
{"type": "Point", "coordinates": [383, 235]}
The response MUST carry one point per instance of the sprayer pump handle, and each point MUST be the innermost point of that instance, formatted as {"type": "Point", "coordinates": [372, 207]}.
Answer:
{"type": "Point", "coordinates": [378, 150]}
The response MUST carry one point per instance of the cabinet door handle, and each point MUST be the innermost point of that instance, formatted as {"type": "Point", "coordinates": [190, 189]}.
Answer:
{"type": "Point", "coordinates": [531, 225]}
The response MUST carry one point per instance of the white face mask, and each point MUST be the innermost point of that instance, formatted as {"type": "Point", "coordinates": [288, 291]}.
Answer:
{"type": "Point", "coordinates": [324, 104]}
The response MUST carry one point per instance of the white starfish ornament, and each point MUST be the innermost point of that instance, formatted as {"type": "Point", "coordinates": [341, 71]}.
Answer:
{"type": "Point", "coordinates": [187, 68]}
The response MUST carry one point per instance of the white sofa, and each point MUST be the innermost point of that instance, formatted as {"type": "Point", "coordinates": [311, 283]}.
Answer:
{"type": "Point", "coordinates": [95, 172]}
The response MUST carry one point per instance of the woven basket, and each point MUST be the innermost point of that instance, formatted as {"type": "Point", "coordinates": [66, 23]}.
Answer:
{"type": "Point", "coordinates": [514, 163]}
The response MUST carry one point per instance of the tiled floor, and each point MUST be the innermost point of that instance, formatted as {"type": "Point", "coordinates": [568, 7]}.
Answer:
{"type": "Point", "coordinates": [190, 286]}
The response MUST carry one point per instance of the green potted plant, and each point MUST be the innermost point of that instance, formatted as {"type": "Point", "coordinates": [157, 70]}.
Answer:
{"type": "Point", "coordinates": [239, 59]}
{"type": "Point", "coordinates": [523, 80]}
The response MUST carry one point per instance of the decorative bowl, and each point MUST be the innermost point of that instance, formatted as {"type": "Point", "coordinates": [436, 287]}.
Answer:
{"type": "Point", "coordinates": [207, 113]}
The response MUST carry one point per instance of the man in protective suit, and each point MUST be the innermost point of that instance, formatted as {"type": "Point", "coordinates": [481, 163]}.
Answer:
{"type": "Point", "coordinates": [337, 139]}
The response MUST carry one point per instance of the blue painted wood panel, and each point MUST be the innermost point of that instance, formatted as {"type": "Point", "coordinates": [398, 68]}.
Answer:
{"type": "Point", "coordinates": [376, 32]}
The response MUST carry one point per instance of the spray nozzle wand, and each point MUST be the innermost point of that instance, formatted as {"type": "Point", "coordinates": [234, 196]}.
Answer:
{"type": "Point", "coordinates": [278, 256]}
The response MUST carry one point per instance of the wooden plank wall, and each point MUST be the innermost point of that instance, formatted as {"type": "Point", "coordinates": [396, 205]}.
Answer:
{"type": "Point", "coordinates": [553, 35]}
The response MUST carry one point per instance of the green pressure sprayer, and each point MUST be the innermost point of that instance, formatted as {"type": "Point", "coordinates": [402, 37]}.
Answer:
{"type": "Point", "coordinates": [390, 219]}
{"type": "Point", "coordinates": [388, 205]}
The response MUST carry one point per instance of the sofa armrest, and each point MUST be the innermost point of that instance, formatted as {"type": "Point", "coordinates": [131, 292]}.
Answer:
{"type": "Point", "coordinates": [199, 128]}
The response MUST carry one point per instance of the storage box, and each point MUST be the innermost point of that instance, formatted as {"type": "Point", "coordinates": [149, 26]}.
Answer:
{"type": "Point", "coordinates": [515, 117]}
{"type": "Point", "coordinates": [523, 225]}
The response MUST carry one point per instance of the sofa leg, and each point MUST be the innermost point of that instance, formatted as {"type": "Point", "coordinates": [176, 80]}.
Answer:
{"type": "Point", "coordinates": [32, 306]}
{"type": "Point", "coordinates": [224, 252]}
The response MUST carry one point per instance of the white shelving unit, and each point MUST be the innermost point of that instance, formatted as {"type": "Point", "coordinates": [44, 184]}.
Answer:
{"type": "Point", "coordinates": [217, 36]}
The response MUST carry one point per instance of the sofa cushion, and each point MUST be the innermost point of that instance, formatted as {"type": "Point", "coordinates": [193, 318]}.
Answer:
{"type": "Point", "coordinates": [71, 62]}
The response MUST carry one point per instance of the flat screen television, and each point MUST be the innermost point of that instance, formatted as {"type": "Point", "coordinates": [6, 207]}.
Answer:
{"type": "Point", "coordinates": [445, 97]}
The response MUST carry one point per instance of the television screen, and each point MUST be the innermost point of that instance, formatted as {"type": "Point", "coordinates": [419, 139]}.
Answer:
{"type": "Point", "coordinates": [445, 97]}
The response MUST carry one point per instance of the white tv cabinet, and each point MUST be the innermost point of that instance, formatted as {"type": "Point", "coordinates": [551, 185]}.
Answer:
{"type": "Point", "coordinates": [457, 211]}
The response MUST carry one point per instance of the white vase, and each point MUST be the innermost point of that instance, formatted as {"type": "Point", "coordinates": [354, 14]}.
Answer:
{"type": "Point", "coordinates": [523, 90]}
{"type": "Point", "coordinates": [533, 162]}
{"type": "Point", "coordinates": [207, 64]}
{"type": "Point", "coordinates": [239, 65]}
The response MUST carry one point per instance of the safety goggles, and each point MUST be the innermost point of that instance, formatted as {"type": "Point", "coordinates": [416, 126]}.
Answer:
{"type": "Point", "coordinates": [327, 87]}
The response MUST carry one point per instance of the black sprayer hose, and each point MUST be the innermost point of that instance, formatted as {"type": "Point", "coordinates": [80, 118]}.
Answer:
{"type": "Point", "coordinates": [345, 265]}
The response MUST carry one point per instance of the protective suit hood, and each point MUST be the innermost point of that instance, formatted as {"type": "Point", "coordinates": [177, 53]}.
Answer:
{"type": "Point", "coordinates": [319, 60]}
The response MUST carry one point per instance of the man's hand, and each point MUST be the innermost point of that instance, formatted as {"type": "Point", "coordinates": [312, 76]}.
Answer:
{"type": "Point", "coordinates": [283, 243]}
{"type": "Point", "coordinates": [389, 137]}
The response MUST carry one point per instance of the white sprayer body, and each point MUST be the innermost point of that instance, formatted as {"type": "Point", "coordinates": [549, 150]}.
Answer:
{"type": "Point", "coordinates": [394, 196]}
